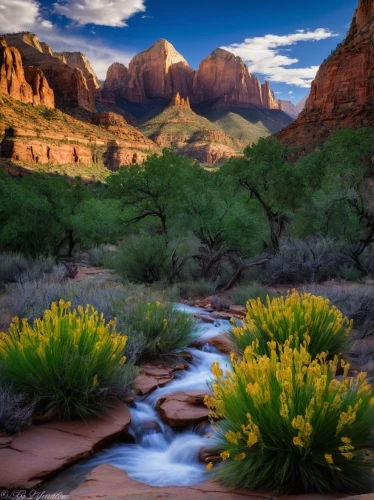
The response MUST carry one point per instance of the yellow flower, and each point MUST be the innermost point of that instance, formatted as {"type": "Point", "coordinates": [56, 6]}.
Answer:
{"type": "Point", "coordinates": [329, 458]}
{"type": "Point", "coordinates": [209, 466]}
{"type": "Point", "coordinates": [225, 455]}
{"type": "Point", "coordinates": [240, 457]}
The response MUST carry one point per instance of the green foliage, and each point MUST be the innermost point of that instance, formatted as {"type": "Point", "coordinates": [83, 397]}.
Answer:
{"type": "Point", "coordinates": [291, 425]}
{"type": "Point", "coordinates": [242, 294]}
{"type": "Point", "coordinates": [68, 361]}
{"type": "Point", "coordinates": [158, 329]}
{"type": "Point", "coordinates": [296, 318]}
{"type": "Point", "coordinates": [142, 259]}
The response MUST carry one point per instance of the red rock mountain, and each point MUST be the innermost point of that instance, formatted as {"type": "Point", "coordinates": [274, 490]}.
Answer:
{"type": "Point", "coordinates": [80, 61]}
{"type": "Point", "coordinates": [160, 72]}
{"type": "Point", "coordinates": [342, 94]}
{"type": "Point", "coordinates": [290, 108]}
{"type": "Point", "coordinates": [68, 83]}
{"type": "Point", "coordinates": [28, 84]}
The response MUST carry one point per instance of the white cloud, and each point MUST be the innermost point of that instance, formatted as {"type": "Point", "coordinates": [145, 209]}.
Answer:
{"type": "Point", "coordinates": [290, 92]}
{"type": "Point", "coordinates": [102, 12]}
{"type": "Point", "coordinates": [20, 15]}
{"type": "Point", "coordinates": [263, 56]}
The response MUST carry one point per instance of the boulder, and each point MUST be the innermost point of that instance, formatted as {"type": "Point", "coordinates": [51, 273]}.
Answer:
{"type": "Point", "coordinates": [184, 408]}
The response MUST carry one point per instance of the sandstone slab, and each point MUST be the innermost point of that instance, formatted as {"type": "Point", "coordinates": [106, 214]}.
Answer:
{"type": "Point", "coordinates": [107, 481]}
{"type": "Point", "coordinates": [42, 450]}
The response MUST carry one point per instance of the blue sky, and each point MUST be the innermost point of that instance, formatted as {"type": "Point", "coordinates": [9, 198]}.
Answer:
{"type": "Point", "coordinates": [281, 41]}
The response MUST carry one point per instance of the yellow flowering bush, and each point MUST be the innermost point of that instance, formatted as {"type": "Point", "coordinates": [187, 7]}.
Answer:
{"type": "Point", "coordinates": [296, 318]}
{"type": "Point", "coordinates": [68, 360]}
{"type": "Point", "coordinates": [290, 424]}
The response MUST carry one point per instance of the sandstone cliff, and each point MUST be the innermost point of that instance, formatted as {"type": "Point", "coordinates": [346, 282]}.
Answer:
{"type": "Point", "coordinates": [117, 78]}
{"type": "Point", "coordinates": [160, 72]}
{"type": "Point", "coordinates": [342, 94]}
{"type": "Point", "coordinates": [63, 142]}
{"type": "Point", "coordinates": [223, 75]}
{"type": "Point", "coordinates": [28, 84]}
{"type": "Point", "coordinates": [69, 84]}
{"type": "Point", "coordinates": [80, 61]}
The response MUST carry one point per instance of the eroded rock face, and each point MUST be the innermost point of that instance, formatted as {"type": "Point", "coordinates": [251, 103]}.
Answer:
{"type": "Point", "coordinates": [42, 92]}
{"type": "Point", "coordinates": [222, 74]}
{"type": "Point", "coordinates": [80, 61]}
{"type": "Point", "coordinates": [158, 73]}
{"type": "Point", "coordinates": [69, 84]}
{"type": "Point", "coordinates": [342, 94]}
{"type": "Point", "coordinates": [12, 77]}
{"type": "Point", "coordinates": [117, 77]}
{"type": "Point", "coordinates": [28, 84]}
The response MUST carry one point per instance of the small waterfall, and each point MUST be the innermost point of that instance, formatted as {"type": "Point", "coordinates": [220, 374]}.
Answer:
{"type": "Point", "coordinates": [161, 456]}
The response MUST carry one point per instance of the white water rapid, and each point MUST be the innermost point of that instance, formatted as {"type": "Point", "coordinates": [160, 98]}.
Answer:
{"type": "Point", "coordinates": [161, 456]}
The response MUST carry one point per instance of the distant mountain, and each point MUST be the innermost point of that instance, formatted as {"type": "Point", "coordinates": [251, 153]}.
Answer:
{"type": "Point", "coordinates": [342, 94]}
{"type": "Point", "coordinates": [180, 128]}
{"type": "Point", "coordinates": [291, 109]}
{"type": "Point", "coordinates": [155, 75]}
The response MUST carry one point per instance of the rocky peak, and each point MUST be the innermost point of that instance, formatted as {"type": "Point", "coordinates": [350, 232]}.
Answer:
{"type": "Point", "coordinates": [158, 73]}
{"type": "Point", "coordinates": [268, 97]}
{"type": "Point", "coordinates": [290, 108]}
{"type": "Point", "coordinates": [28, 84]}
{"type": "Point", "coordinates": [177, 100]}
{"type": "Point", "coordinates": [363, 16]}
{"type": "Point", "coordinates": [80, 61]}
{"type": "Point", "coordinates": [116, 77]}
{"type": "Point", "coordinates": [69, 84]}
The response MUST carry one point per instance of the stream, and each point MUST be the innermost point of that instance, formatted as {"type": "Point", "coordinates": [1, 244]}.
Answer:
{"type": "Point", "coordinates": [159, 456]}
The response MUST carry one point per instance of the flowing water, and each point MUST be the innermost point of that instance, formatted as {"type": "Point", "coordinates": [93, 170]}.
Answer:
{"type": "Point", "coordinates": [159, 455]}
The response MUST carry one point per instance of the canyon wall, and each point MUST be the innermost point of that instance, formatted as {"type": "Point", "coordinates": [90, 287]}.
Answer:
{"type": "Point", "coordinates": [342, 94]}
{"type": "Point", "coordinates": [68, 83]}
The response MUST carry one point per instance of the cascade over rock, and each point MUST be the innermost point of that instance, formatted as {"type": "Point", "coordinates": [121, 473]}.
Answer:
{"type": "Point", "coordinates": [69, 84]}
{"type": "Point", "coordinates": [342, 94]}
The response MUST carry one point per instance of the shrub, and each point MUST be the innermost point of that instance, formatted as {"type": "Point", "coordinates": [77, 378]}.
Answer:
{"type": "Point", "coordinates": [291, 425]}
{"type": "Point", "coordinates": [15, 410]}
{"type": "Point", "coordinates": [158, 329]}
{"type": "Point", "coordinates": [295, 318]}
{"type": "Point", "coordinates": [141, 259]}
{"type": "Point", "coordinates": [314, 260]}
{"type": "Point", "coordinates": [242, 294]}
{"type": "Point", "coordinates": [68, 360]}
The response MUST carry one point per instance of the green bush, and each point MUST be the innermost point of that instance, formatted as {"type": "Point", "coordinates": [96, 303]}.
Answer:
{"type": "Point", "coordinates": [158, 329]}
{"type": "Point", "coordinates": [295, 318]}
{"type": "Point", "coordinates": [69, 360]}
{"type": "Point", "coordinates": [242, 294]}
{"type": "Point", "coordinates": [291, 425]}
{"type": "Point", "coordinates": [141, 259]}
